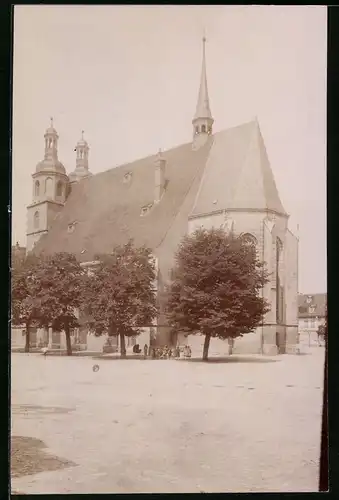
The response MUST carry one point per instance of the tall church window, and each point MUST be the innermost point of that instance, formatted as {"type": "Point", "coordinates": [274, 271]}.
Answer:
{"type": "Point", "coordinates": [37, 188]}
{"type": "Point", "coordinates": [279, 290]}
{"type": "Point", "coordinates": [249, 239]}
{"type": "Point", "coordinates": [203, 128]}
{"type": "Point", "coordinates": [36, 220]}
{"type": "Point", "coordinates": [49, 187]}
{"type": "Point", "coordinates": [59, 189]}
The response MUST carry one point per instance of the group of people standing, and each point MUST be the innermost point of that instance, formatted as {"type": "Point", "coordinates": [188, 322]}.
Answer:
{"type": "Point", "coordinates": [165, 352]}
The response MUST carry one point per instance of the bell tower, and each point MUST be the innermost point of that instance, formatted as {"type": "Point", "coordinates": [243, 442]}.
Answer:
{"type": "Point", "coordinates": [50, 190]}
{"type": "Point", "coordinates": [202, 121]}
{"type": "Point", "coordinates": [81, 163]}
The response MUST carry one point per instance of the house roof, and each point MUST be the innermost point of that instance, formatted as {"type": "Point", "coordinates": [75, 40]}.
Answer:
{"type": "Point", "coordinates": [106, 209]}
{"type": "Point", "coordinates": [311, 306]}
{"type": "Point", "coordinates": [238, 174]}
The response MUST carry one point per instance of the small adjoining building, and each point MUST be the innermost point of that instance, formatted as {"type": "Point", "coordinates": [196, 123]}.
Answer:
{"type": "Point", "coordinates": [311, 312]}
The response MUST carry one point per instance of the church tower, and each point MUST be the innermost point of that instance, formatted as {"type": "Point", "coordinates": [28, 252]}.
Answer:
{"type": "Point", "coordinates": [81, 167]}
{"type": "Point", "coordinates": [50, 190]}
{"type": "Point", "coordinates": [202, 121]}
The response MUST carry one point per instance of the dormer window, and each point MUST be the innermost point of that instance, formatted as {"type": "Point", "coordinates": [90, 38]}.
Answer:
{"type": "Point", "coordinates": [145, 210]}
{"type": "Point", "coordinates": [127, 177]}
{"type": "Point", "coordinates": [71, 227]}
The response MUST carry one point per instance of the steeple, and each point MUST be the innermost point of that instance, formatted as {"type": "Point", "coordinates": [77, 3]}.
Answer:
{"type": "Point", "coordinates": [202, 121]}
{"type": "Point", "coordinates": [81, 166]}
{"type": "Point", "coordinates": [51, 143]}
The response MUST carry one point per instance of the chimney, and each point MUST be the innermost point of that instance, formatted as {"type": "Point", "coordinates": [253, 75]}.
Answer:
{"type": "Point", "coordinates": [160, 167]}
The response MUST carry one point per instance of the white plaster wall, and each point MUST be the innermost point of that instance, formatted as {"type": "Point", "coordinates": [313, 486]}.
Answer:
{"type": "Point", "coordinates": [291, 278]}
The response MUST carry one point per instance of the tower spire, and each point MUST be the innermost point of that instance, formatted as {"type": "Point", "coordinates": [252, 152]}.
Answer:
{"type": "Point", "coordinates": [203, 120]}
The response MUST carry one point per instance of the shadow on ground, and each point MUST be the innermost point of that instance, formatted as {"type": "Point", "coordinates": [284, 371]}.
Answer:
{"type": "Point", "coordinates": [28, 457]}
{"type": "Point", "coordinates": [231, 359]}
{"type": "Point", "coordinates": [221, 359]}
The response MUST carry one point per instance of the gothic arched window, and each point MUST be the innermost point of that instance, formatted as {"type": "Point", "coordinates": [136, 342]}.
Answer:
{"type": "Point", "coordinates": [279, 288]}
{"type": "Point", "coordinates": [203, 128]}
{"type": "Point", "coordinates": [37, 188]}
{"type": "Point", "coordinates": [59, 189]}
{"type": "Point", "coordinates": [36, 220]}
{"type": "Point", "coordinates": [249, 239]}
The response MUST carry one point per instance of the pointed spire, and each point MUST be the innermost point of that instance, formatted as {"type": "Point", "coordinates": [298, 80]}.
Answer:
{"type": "Point", "coordinates": [203, 105]}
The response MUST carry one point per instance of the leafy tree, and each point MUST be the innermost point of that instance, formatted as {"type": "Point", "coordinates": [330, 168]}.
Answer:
{"type": "Point", "coordinates": [120, 295]}
{"type": "Point", "coordinates": [58, 282]}
{"type": "Point", "coordinates": [322, 329]}
{"type": "Point", "coordinates": [24, 304]}
{"type": "Point", "coordinates": [215, 286]}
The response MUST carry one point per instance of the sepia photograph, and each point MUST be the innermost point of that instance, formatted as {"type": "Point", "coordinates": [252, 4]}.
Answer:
{"type": "Point", "coordinates": [168, 320]}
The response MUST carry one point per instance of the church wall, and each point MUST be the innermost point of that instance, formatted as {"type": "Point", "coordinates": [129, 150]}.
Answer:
{"type": "Point", "coordinates": [291, 288]}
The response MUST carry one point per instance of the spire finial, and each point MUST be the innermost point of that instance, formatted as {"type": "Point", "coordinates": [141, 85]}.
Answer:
{"type": "Point", "coordinates": [82, 135]}
{"type": "Point", "coordinates": [203, 120]}
{"type": "Point", "coordinates": [51, 121]}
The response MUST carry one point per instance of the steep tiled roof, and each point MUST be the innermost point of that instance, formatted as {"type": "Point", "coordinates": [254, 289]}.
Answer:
{"type": "Point", "coordinates": [238, 174]}
{"type": "Point", "coordinates": [103, 210]}
{"type": "Point", "coordinates": [312, 305]}
{"type": "Point", "coordinates": [106, 209]}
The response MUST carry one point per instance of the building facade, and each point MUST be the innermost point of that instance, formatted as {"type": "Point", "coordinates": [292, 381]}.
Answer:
{"type": "Point", "coordinates": [219, 179]}
{"type": "Point", "coordinates": [311, 312]}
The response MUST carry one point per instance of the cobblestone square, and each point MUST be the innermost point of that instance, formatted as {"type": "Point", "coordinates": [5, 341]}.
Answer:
{"type": "Point", "coordinates": [241, 424]}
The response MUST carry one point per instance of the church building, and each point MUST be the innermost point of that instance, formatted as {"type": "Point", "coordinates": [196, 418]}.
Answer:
{"type": "Point", "coordinates": [219, 179]}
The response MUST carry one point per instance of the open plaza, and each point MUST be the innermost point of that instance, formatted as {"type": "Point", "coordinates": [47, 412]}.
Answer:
{"type": "Point", "coordinates": [234, 424]}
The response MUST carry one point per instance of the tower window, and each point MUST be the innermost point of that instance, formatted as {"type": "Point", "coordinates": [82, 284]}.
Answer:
{"type": "Point", "coordinates": [203, 128]}
{"type": "Point", "coordinates": [37, 188]}
{"type": "Point", "coordinates": [59, 189]}
{"type": "Point", "coordinates": [36, 220]}
{"type": "Point", "coordinates": [197, 130]}
{"type": "Point", "coordinates": [49, 186]}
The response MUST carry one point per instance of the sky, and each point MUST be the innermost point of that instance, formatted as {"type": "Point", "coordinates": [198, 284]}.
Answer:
{"type": "Point", "coordinates": [129, 77]}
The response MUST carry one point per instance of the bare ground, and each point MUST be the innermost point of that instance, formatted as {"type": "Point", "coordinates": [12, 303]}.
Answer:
{"type": "Point", "coordinates": [237, 425]}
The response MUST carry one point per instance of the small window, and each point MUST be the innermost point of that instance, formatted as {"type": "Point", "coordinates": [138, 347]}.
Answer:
{"type": "Point", "coordinates": [127, 177]}
{"type": "Point", "coordinates": [36, 220]}
{"type": "Point", "coordinates": [203, 128]}
{"type": "Point", "coordinates": [145, 210]}
{"type": "Point", "coordinates": [37, 188]}
{"type": "Point", "coordinates": [197, 130]}
{"type": "Point", "coordinates": [59, 189]}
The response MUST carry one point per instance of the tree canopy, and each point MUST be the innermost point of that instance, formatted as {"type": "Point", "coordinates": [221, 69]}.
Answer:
{"type": "Point", "coordinates": [24, 303]}
{"type": "Point", "coordinates": [120, 296]}
{"type": "Point", "coordinates": [47, 291]}
{"type": "Point", "coordinates": [215, 286]}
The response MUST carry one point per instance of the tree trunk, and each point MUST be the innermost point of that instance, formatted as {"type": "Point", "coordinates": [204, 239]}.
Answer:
{"type": "Point", "coordinates": [230, 346]}
{"type": "Point", "coordinates": [68, 341]}
{"type": "Point", "coordinates": [27, 340]}
{"type": "Point", "coordinates": [122, 345]}
{"type": "Point", "coordinates": [206, 347]}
